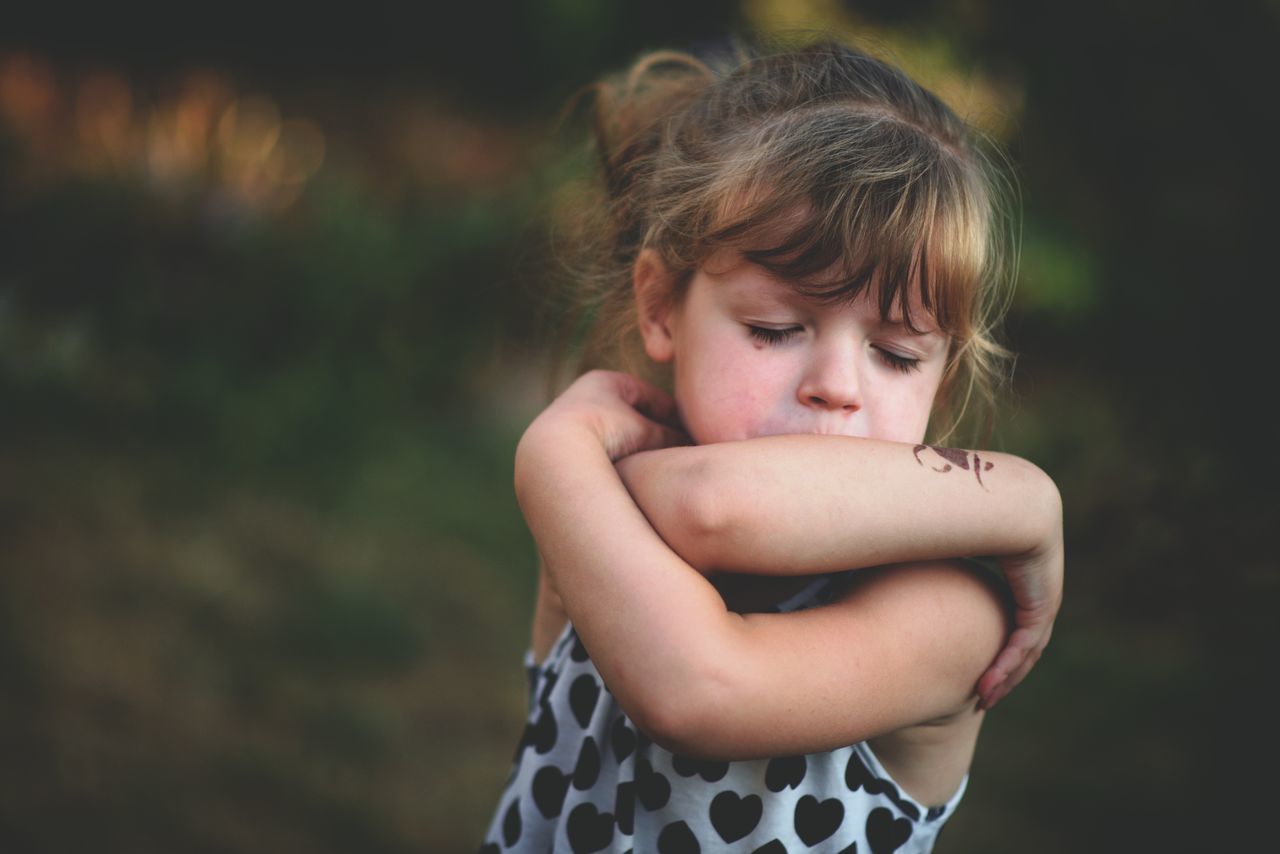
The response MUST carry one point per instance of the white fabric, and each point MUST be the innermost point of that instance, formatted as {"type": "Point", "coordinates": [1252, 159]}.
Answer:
{"type": "Point", "coordinates": [586, 780]}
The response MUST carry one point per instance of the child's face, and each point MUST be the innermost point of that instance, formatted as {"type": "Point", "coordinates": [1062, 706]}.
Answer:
{"type": "Point", "coordinates": [754, 358]}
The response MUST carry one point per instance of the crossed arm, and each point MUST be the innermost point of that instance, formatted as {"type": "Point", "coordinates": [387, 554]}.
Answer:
{"type": "Point", "coordinates": [905, 646]}
{"type": "Point", "coordinates": [786, 505]}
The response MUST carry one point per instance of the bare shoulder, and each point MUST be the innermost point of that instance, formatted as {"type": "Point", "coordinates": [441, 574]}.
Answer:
{"type": "Point", "coordinates": [962, 611]}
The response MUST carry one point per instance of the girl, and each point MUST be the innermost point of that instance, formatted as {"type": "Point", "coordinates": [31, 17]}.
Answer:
{"type": "Point", "coordinates": [809, 243]}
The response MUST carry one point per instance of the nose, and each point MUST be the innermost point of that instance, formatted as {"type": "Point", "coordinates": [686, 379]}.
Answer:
{"type": "Point", "coordinates": [831, 380]}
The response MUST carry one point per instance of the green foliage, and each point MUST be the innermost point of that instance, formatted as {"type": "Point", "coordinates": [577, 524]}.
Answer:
{"type": "Point", "coordinates": [1059, 278]}
{"type": "Point", "coordinates": [253, 513]}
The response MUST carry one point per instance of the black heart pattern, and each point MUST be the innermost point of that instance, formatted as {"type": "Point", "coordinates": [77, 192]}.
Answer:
{"type": "Point", "coordinates": [817, 821]}
{"type": "Point", "coordinates": [588, 829]}
{"type": "Point", "coordinates": [785, 772]}
{"type": "Point", "coordinates": [587, 770]}
{"type": "Point", "coordinates": [549, 789]}
{"type": "Point", "coordinates": [886, 834]}
{"type": "Point", "coordinates": [677, 838]}
{"type": "Point", "coordinates": [548, 684]}
{"type": "Point", "coordinates": [541, 734]}
{"type": "Point", "coordinates": [734, 817]}
{"type": "Point", "coordinates": [579, 652]}
{"type": "Point", "coordinates": [583, 694]}
{"type": "Point", "coordinates": [623, 739]}
{"type": "Point", "coordinates": [857, 776]}
{"type": "Point", "coordinates": [511, 824]}
{"type": "Point", "coordinates": [624, 808]}
{"type": "Point", "coordinates": [708, 770]}
{"type": "Point", "coordinates": [773, 846]}
{"type": "Point", "coordinates": [652, 789]}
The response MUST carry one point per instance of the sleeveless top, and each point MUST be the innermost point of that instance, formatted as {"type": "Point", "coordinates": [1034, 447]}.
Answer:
{"type": "Point", "coordinates": [586, 780]}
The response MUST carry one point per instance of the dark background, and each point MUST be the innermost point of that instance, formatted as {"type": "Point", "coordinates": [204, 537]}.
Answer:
{"type": "Point", "coordinates": [263, 585]}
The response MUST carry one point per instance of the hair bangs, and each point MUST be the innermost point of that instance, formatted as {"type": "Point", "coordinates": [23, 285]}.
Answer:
{"type": "Point", "coordinates": [914, 236]}
{"type": "Point", "coordinates": [829, 169]}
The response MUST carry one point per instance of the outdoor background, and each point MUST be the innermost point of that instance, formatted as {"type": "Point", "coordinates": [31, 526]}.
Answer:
{"type": "Point", "coordinates": [270, 289]}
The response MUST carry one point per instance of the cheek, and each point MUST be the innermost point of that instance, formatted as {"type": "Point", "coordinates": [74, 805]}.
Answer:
{"type": "Point", "coordinates": [717, 406]}
{"type": "Point", "coordinates": [725, 393]}
{"type": "Point", "coordinates": [902, 416]}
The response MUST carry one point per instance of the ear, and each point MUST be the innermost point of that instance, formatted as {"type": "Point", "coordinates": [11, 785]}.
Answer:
{"type": "Point", "coordinates": [655, 304]}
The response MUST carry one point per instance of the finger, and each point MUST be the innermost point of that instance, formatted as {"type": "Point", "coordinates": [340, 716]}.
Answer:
{"type": "Point", "coordinates": [666, 437]}
{"type": "Point", "coordinates": [1011, 660]}
{"type": "Point", "coordinates": [989, 687]}
{"type": "Point", "coordinates": [650, 400]}
{"type": "Point", "coordinates": [649, 437]}
{"type": "Point", "coordinates": [989, 682]}
{"type": "Point", "coordinates": [996, 696]}
{"type": "Point", "coordinates": [1010, 682]}
{"type": "Point", "coordinates": [1006, 674]}
{"type": "Point", "coordinates": [998, 691]}
{"type": "Point", "coordinates": [1015, 650]}
{"type": "Point", "coordinates": [1006, 686]}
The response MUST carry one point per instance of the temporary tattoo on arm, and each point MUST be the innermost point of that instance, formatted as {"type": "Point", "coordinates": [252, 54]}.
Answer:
{"type": "Point", "coordinates": [955, 457]}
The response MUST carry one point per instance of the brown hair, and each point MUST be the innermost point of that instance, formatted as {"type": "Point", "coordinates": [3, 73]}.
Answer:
{"type": "Point", "coordinates": [805, 161]}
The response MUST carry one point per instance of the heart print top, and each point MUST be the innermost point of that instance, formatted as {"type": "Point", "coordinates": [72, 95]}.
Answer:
{"type": "Point", "coordinates": [586, 780]}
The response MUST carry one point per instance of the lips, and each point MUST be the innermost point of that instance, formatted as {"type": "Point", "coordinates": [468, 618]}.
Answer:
{"type": "Point", "coordinates": [848, 430]}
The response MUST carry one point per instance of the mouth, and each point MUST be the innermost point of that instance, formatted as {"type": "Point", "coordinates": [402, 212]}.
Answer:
{"type": "Point", "coordinates": [847, 432]}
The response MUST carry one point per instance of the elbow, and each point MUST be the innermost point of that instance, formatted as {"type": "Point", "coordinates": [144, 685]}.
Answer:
{"type": "Point", "coordinates": [686, 497]}
{"type": "Point", "coordinates": [703, 515]}
{"type": "Point", "coordinates": [525, 475]}
{"type": "Point", "coordinates": [1045, 502]}
{"type": "Point", "coordinates": [1047, 533]}
{"type": "Point", "coordinates": [691, 719]}
{"type": "Point", "coordinates": [680, 726]}
{"type": "Point", "coordinates": [669, 722]}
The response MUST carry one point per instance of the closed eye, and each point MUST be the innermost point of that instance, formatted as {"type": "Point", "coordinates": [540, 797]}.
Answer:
{"type": "Point", "coordinates": [897, 361]}
{"type": "Point", "coordinates": [768, 335]}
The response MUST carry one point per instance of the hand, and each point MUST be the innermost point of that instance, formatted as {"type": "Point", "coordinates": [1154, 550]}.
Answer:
{"type": "Point", "coordinates": [623, 412]}
{"type": "Point", "coordinates": [1035, 578]}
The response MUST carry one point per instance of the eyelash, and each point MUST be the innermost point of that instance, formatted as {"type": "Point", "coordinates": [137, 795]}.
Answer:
{"type": "Point", "coordinates": [899, 363]}
{"type": "Point", "coordinates": [768, 335]}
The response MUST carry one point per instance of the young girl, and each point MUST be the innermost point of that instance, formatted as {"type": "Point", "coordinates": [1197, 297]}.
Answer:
{"type": "Point", "coordinates": [753, 629]}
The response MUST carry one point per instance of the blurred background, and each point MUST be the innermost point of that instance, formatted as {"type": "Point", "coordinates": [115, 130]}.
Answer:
{"type": "Point", "coordinates": [270, 296]}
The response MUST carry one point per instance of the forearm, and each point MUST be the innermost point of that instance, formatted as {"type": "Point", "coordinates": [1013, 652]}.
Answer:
{"type": "Point", "coordinates": [644, 614]}
{"type": "Point", "coordinates": [806, 504]}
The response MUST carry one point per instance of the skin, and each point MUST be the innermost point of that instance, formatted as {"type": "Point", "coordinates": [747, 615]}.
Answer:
{"type": "Point", "coordinates": [896, 657]}
{"type": "Point", "coordinates": [753, 358]}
